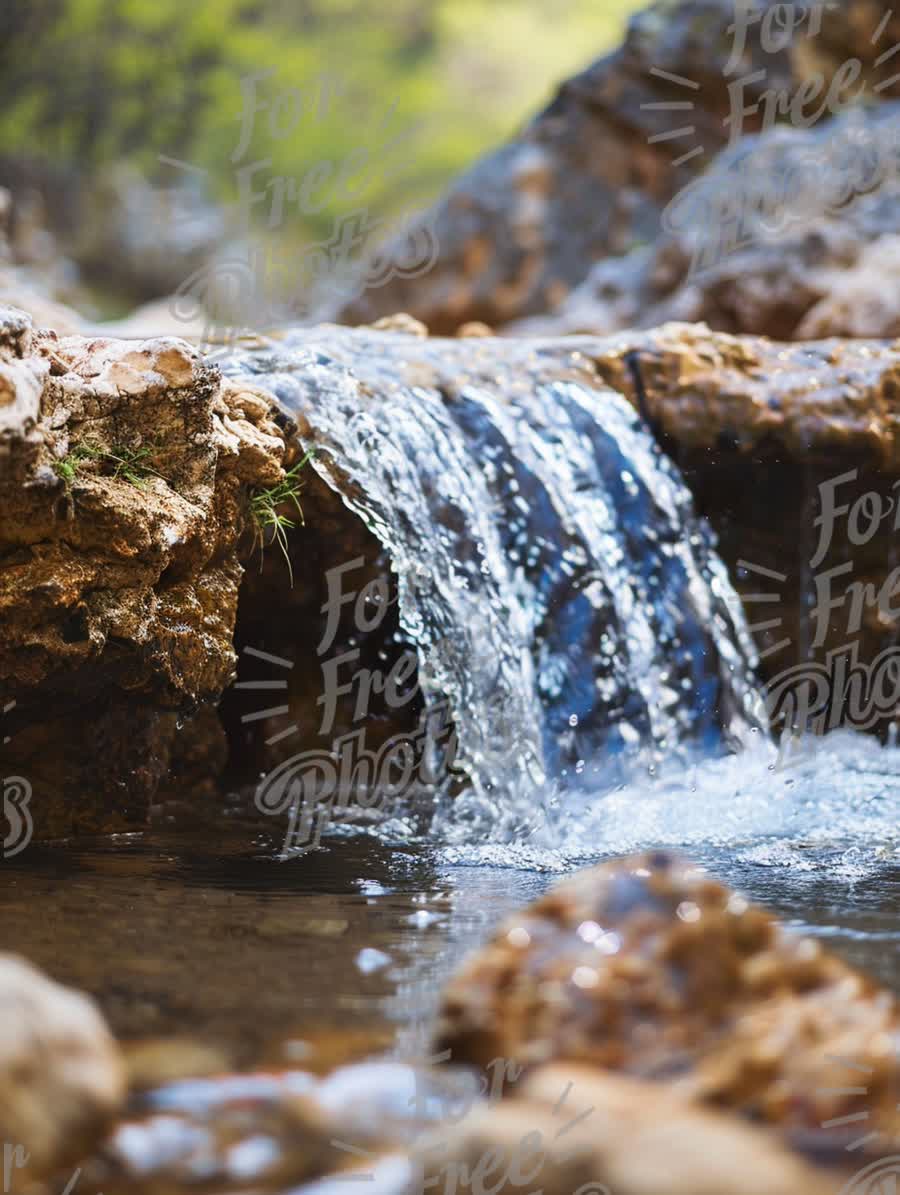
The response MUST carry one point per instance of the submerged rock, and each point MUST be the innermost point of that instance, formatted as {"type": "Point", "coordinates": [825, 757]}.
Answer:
{"type": "Point", "coordinates": [61, 1075]}
{"type": "Point", "coordinates": [271, 1130]}
{"type": "Point", "coordinates": [639, 1030]}
{"type": "Point", "coordinates": [650, 968]}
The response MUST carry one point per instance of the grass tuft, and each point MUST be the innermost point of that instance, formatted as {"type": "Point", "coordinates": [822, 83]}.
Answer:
{"type": "Point", "coordinates": [129, 464]}
{"type": "Point", "coordinates": [269, 520]}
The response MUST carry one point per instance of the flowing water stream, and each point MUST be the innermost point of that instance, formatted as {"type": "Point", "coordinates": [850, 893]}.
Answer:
{"type": "Point", "coordinates": [565, 601]}
{"type": "Point", "coordinates": [562, 596]}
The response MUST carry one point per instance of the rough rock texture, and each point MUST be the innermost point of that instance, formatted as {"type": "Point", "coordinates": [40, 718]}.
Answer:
{"type": "Point", "coordinates": [759, 427]}
{"type": "Point", "coordinates": [124, 470]}
{"type": "Point", "coordinates": [585, 182]}
{"type": "Point", "coordinates": [61, 1076]}
{"type": "Point", "coordinates": [570, 1128]}
{"type": "Point", "coordinates": [794, 234]}
{"type": "Point", "coordinates": [649, 967]}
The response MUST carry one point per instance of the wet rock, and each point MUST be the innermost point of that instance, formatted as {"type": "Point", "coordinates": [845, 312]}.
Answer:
{"type": "Point", "coordinates": [585, 181]}
{"type": "Point", "coordinates": [571, 1129]}
{"type": "Point", "coordinates": [810, 249]}
{"type": "Point", "coordinates": [459, 455]}
{"type": "Point", "coordinates": [756, 426]}
{"type": "Point", "coordinates": [271, 1140]}
{"type": "Point", "coordinates": [61, 1076]}
{"type": "Point", "coordinates": [650, 968]}
{"type": "Point", "coordinates": [827, 401]}
{"type": "Point", "coordinates": [124, 472]}
{"type": "Point", "coordinates": [753, 425]}
{"type": "Point", "coordinates": [126, 468]}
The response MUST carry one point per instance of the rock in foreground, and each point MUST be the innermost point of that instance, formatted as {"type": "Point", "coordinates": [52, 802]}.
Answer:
{"type": "Point", "coordinates": [572, 1131]}
{"type": "Point", "coordinates": [650, 968]}
{"type": "Point", "coordinates": [61, 1076]}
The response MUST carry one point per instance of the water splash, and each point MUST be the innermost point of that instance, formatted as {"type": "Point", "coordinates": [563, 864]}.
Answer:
{"type": "Point", "coordinates": [561, 593]}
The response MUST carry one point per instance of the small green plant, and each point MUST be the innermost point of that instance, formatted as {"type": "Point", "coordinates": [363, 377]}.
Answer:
{"type": "Point", "coordinates": [268, 519]}
{"type": "Point", "coordinates": [130, 464]}
{"type": "Point", "coordinates": [68, 467]}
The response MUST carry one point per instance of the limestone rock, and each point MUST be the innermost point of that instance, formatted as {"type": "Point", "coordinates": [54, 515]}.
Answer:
{"type": "Point", "coordinates": [649, 967]}
{"type": "Point", "coordinates": [61, 1076]}
{"type": "Point", "coordinates": [124, 470]}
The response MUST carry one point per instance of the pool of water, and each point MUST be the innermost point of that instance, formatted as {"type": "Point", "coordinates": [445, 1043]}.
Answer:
{"type": "Point", "coordinates": [206, 934]}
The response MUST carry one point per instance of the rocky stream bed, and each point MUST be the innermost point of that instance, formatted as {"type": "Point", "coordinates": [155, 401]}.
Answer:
{"type": "Point", "coordinates": [327, 656]}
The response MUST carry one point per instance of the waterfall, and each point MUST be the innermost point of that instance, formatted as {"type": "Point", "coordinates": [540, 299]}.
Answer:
{"type": "Point", "coordinates": [562, 594]}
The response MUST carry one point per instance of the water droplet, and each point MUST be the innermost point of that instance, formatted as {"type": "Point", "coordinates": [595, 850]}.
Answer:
{"type": "Point", "coordinates": [369, 960]}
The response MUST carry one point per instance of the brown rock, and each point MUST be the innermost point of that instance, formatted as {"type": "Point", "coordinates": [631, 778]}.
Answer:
{"type": "Point", "coordinates": [571, 1129]}
{"type": "Point", "coordinates": [819, 259]}
{"type": "Point", "coordinates": [753, 425]}
{"type": "Point", "coordinates": [586, 181]}
{"type": "Point", "coordinates": [757, 426]}
{"type": "Point", "coordinates": [124, 470]}
{"type": "Point", "coordinates": [649, 967]}
{"type": "Point", "coordinates": [61, 1077]}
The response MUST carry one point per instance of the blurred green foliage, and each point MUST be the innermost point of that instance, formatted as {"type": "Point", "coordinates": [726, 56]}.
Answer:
{"type": "Point", "coordinates": [94, 82]}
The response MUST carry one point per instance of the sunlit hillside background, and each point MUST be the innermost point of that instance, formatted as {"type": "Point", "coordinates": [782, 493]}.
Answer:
{"type": "Point", "coordinates": [94, 90]}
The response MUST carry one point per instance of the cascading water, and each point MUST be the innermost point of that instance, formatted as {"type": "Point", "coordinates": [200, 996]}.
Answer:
{"type": "Point", "coordinates": [562, 595]}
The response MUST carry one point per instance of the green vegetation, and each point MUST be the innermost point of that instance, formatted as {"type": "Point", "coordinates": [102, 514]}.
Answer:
{"type": "Point", "coordinates": [67, 469]}
{"type": "Point", "coordinates": [130, 464]}
{"type": "Point", "coordinates": [89, 83]}
{"type": "Point", "coordinates": [267, 518]}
